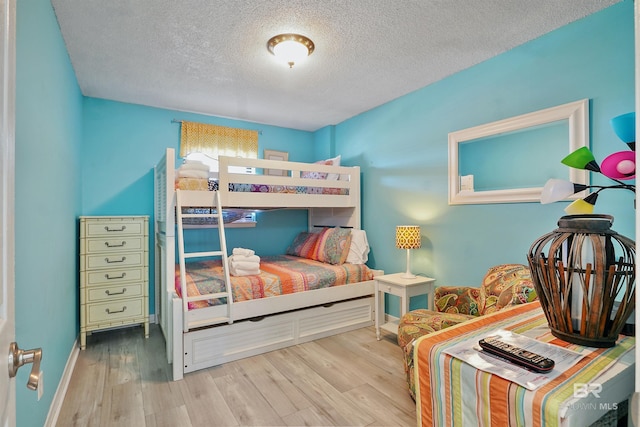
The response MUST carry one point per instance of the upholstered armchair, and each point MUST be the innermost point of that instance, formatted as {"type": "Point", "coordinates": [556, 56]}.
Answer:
{"type": "Point", "coordinates": [503, 285]}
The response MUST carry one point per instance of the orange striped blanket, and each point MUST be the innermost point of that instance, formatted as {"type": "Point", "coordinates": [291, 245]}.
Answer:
{"type": "Point", "coordinates": [453, 393]}
{"type": "Point", "coordinates": [279, 275]}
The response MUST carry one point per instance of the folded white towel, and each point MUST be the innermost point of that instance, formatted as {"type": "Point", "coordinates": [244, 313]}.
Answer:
{"type": "Point", "coordinates": [244, 265]}
{"type": "Point", "coordinates": [193, 173]}
{"type": "Point", "coordinates": [241, 272]}
{"type": "Point", "coordinates": [243, 251]}
{"type": "Point", "coordinates": [242, 258]}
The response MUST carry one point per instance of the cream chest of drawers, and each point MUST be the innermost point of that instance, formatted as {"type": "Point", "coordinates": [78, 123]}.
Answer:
{"type": "Point", "coordinates": [114, 273]}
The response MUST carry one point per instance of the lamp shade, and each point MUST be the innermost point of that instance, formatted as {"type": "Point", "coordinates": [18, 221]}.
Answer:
{"type": "Point", "coordinates": [408, 236]}
{"type": "Point", "coordinates": [582, 158]}
{"type": "Point", "coordinates": [620, 165]}
{"type": "Point", "coordinates": [290, 51]}
{"type": "Point", "coordinates": [559, 189]}
{"type": "Point", "coordinates": [582, 206]}
{"type": "Point", "coordinates": [625, 127]}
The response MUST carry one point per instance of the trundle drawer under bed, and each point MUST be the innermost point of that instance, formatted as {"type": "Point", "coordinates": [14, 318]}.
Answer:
{"type": "Point", "coordinates": [220, 344]}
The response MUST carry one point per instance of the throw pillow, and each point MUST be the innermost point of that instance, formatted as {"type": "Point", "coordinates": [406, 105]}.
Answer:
{"type": "Point", "coordinates": [303, 244]}
{"type": "Point", "coordinates": [332, 246]}
{"type": "Point", "coordinates": [498, 287]}
{"type": "Point", "coordinates": [315, 174]}
{"type": "Point", "coordinates": [334, 162]}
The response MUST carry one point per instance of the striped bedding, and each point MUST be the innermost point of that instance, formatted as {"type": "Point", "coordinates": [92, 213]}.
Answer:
{"type": "Point", "coordinates": [279, 275]}
{"type": "Point", "coordinates": [451, 392]}
{"type": "Point", "coordinates": [200, 184]}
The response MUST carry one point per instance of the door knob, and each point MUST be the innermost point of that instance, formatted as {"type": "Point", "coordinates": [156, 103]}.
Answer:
{"type": "Point", "coordinates": [18, 357]}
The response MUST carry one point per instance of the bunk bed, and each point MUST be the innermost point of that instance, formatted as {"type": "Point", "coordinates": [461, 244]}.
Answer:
{"type": "Point", "coordinates": [219, 327]}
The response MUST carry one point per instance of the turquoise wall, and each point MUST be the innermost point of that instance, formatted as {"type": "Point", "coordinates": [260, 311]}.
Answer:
{"type": "Point", "coordinates": [48, 142]}
{"type": "Point", "coordinates": [123, 142]}
{"type": "Point", "coordinates": [401, 147]}
{"type": "Point", "coordinates": [89, 156]}
{"type": "Point", "coordinates": [501, 157]}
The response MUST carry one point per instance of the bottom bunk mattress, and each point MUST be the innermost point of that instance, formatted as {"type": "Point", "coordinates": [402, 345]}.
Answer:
{"type": "Point", "coordinates": [279, 275]}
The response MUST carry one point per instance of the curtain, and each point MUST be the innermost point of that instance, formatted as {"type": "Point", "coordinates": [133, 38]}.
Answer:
{"type": "Point", "coordinates": [218, 141]}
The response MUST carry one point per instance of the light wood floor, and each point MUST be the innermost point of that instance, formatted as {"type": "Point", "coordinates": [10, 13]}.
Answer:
{"type": "Point", "coordinates": [351, 379]}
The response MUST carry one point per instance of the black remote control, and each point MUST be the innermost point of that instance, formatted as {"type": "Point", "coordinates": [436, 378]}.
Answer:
{"type": "Point", "coordinates": [519, 356]}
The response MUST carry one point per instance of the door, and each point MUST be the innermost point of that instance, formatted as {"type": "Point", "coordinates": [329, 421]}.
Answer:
{"type": "Point", "coordinates": [7, 166]}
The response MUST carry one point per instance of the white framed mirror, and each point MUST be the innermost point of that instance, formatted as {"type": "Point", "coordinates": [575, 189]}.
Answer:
{"type": "Point", "coordinates": [510, 160]}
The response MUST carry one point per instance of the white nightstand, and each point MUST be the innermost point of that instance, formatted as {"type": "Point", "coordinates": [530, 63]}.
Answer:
{"type": "Point", "coordinates": [395, 284]}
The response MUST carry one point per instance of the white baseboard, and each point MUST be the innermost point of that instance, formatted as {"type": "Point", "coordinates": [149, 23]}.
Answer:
{"type": "Point", "coordinates": [61, 391]}
{"type": "Point", "coordinates": [63, 385]}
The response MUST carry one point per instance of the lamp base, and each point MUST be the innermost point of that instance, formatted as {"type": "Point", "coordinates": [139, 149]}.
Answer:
{"type": "Point", "coordinates": [408, 274]}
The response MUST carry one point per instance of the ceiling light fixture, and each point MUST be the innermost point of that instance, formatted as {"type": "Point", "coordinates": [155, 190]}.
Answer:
{"type": "Point", "coordinates": [290, 48]}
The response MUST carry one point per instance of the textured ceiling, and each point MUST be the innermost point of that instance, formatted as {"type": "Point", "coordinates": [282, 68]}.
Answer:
{"type": "Point", "coordinates": [210, 56]}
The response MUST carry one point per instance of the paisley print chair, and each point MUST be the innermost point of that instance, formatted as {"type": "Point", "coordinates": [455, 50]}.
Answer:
{"type": "Point", "coordinates": [503, 285]}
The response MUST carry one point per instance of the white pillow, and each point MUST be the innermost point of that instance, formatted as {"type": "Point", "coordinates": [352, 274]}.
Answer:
{"type": "Point", "coordinates": [194, 165]}
{"type": "Point", "coordinates": [334, 162]}
{"type": "Point", "coordinates": [359, 248]}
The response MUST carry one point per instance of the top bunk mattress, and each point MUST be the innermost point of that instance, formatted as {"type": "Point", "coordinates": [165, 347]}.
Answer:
{"type": "Point", "coordinates": [199, 184]}
{"type": "Point", "coordinates": [279, 275]}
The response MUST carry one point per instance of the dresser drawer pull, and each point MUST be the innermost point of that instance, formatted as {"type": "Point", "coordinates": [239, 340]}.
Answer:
{"type": "Point", "coordinates": [106, 276]}
{"type": "Point", "coordinates": [109, 245]}
{"type": "Point", "coordinates": [118, 260]}
{"type": "Point", "coordinates": [115, 293]}
{"type": "Point", "coordinates": [124, 307]}
{"type": "Point", "coordinates": [124, 227]}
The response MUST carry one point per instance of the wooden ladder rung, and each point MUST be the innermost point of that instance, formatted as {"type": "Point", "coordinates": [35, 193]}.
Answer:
{"type": "Point", "coordinates": [202, 254]}
{"type": "Point", "coordinates": [209, 296]}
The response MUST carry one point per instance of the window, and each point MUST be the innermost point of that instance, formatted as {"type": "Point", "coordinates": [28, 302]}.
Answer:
{"type": "Point", "coordinates": [233, 218]}
{"type": "Point", "coordinates": [217, 141]}
{"type": "Point", "coordinates": [204, 143]}
{"type": "Point", "coordinates": [213, 164]}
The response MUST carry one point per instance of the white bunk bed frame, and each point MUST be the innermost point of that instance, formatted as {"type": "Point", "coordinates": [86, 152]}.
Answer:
{"type": "Point", "coordinates": [197, 339]}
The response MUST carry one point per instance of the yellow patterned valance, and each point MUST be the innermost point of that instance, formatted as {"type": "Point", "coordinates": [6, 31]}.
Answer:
{"type": "Point", "coordinates": [218, 141]}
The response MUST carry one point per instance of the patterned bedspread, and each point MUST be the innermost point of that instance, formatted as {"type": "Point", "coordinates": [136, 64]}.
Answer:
{"type": "Point", "coordinates": [279, 275]}
{"type": "Point", "coordinates": [211, 185]}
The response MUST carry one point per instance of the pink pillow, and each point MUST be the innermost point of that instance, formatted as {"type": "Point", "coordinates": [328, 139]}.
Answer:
{"type": "Point", "coordinates": [332, 246]}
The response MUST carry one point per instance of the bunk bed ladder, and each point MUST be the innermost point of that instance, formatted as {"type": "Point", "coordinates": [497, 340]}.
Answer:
{"type": "Point", "coordinates": [181, 202]}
